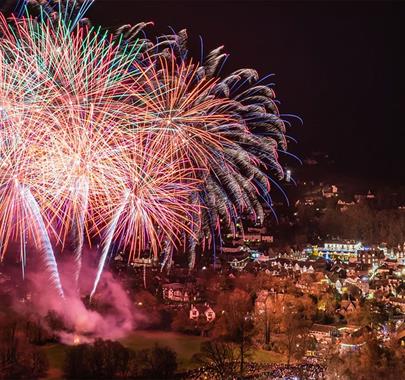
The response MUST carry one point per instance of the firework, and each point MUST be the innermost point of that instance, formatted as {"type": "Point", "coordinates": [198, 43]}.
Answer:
{"type": "Point", "coordinates": [82, 102]}
{"type": "Point", "coordinates": [111, 137]}
{"type": "Point", "coordinates": [194, 114]}
{"type": "Point", "coordinates": [20, 147]}
{"type": "Point", "coordinates": [152, 207]}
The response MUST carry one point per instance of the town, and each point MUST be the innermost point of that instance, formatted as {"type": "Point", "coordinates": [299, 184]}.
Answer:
{"type": "Point", "coordinates": [309, 310]}
{"type": "Point", "coordinates": [308, 303]}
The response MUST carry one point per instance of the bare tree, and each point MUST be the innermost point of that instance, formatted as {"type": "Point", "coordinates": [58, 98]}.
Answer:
{"type": "Point", "coordinates": [220, 356]}
{"type": "Point", "coordinates": [236, 324]}
{"type": "Point", "coordinates": [296, 322]}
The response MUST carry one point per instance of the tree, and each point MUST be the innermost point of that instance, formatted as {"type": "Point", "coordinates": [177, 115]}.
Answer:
{"type": "Point", "coordinates": [18, 358]}
{"type": "Point", "coordinates": [263, 281]}
{"type": "Point", "coordinates": [236, 323]}
{"type": "Point", "coordinates": [372, 313]}
{"type": "Point", "coordinates": [146, 299]}
{"type": "Point", "coordinates": [220, 357]}
{"type": "Point", "coordinates": [245, 281]}
{"type": "Point", "coordinates": [182, 323]}
{"type": "Point", "coordinates": [160, 363]}
{"type": "Point", "coordinates": [136, 364]}
{"type": "Point", "coordinates": [268, 321]}
{"type": "Point", "coordinates": [102, 360]}
{"type": "Point", "coordinates": [326, 307]}
{"type": "Point", "coordinates": [371, 361]}
{"type": "Point", "coordinates": [294, 330]}
{"type": "Point", "coordinates": [297, 318]}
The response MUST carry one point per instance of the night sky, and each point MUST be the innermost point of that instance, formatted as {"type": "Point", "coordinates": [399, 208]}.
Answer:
{"type": "Point", "coordinates": [337, 66]}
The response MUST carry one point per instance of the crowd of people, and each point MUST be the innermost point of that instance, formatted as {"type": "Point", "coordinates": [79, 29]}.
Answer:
{"type": "Point", "coordinates": [264, 371]}
{"type": "Point", "coordinates": [293, 372]}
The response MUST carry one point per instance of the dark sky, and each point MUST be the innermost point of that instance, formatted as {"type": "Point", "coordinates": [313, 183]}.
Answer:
{"type": "Point", "coordinates": [337, 66]}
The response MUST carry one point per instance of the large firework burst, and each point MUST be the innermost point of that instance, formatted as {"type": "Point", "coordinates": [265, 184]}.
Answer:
{"type": "Point", "coordinates": [225, 125]}
{"type": "Point", "coordinates": [113, 136]}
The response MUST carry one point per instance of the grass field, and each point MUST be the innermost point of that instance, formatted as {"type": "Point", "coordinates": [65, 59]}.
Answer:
{"type": "Point", "coordinates": [184, 345]}
{"type": "Point", "coordinates": [263, 356]}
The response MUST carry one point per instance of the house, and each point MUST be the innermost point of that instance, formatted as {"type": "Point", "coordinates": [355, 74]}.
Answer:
{"type": "Point", "coordinates": [267, 238]}
{"type": "Point", "coordinates": [364, 285]}
{"type": "Point", "coordinates": [349, 331]}
{"type": "Point", "coordinates": [303, 268]}
{"type": "Point", "coordinates": [392, 263]}
{"type": "Point", "coordinates": [252, 237]}
{"type": "Point", "coordinates": [344, 204]}
{"type": "Point", "coordinates": [205, 311]}
{"type": "Point", "coordinates": [399, 303]}
{"type": "Point", "coordinates": [398, 254]}
{"type": "Point", "coordinates": [330, 191]}
{"type": "Point", "coordinates": [239, 264]}
{"type": "Point", "coordinates": [372, 257]}
{"type": "Point", "coordinates": [257, 230]}
{"type": "Point", "coordinates": [352, 270]}
{"type": "Point", "coordinates": [347, 307]}
{"type": "Point", "coordinates": [323, 334]}
{"type": "Point", "coordinates": [309, 201]}
{"type": "Point", "coordinates": [230, 250]}
{"type": "Point", "coordinates": [143, 262]}
{"type": "Point", "coordinates": [255, 237]}
{"type": "Point", "coordinates": [177, 292]}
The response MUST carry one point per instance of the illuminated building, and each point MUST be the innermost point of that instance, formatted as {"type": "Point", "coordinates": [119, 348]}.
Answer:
{"type": "Point", "coordinates": [370, 257]}
{"type": "Point", "coordinates": [344, 251]}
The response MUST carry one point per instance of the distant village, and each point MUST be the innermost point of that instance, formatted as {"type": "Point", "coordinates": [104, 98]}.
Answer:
{"type": "Point", "coordinates": [307, 301]}
{"type": "Point", "coordinates": [352, 284]}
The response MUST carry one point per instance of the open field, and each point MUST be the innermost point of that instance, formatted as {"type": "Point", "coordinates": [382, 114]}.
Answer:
{"type": "Point", "coordinates": [184, 345]}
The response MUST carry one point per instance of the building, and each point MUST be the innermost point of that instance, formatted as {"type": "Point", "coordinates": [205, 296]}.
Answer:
{"type": "Point", "coordinates": [364, 197]}
{"type": "Point", "coordinates": [177, 292]}
{"type": "Point", "coordinates": [344, 204]}
{"type": "Point", "coordinates": [239, 264]}
{"type": "Point", "coordinates": [399, 303]}
{"type": "Point", "coordinates": [257, 230]}
{"type": "Point", "coordinates": [141, 262]}
{"type": "Point", "coordinates": [257, 237]}
{"type": "Point", "coordinates": [303, 267]}
{"type": "Point", "coordinates": [267, 238]}
{"type": "Point", "coordinates": [344, 251]}
{"type": "Point", "coordinates": [309, 201]}
{"type": "Point", "coordinates": [323, 334]}
{"type": "Point", "coordinates": [202, 311]}
{"type": "Point", "coordinates": [371, 257]}
{"type": "Point", "coordinates": [288, 175]}
{"type": "Point", "coordinates": [397, 254]}
{"type": "Point", "coordinates": [232, 250]}
{"type": "Point", "coordinates": [348, 307]}
{"type": "Point", "coordinates": [342, 246]}
{"type": "Point", "coordinates": [330, 191]}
